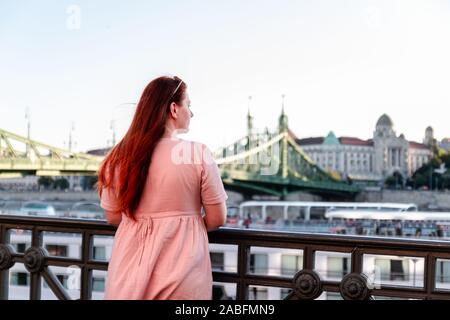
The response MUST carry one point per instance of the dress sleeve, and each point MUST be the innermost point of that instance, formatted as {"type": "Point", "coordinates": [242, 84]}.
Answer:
{"type": "Point", "coordinates": [212, 189]}
{"type": "Point", "coordinates": [108, 199]}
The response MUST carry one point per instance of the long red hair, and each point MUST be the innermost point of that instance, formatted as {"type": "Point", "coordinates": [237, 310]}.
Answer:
{"type": "Point", "coordinates": [125, 167]}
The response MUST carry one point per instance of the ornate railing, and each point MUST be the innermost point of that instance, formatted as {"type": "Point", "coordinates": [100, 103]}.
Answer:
{"type": "Point", "coordinates": [306, 284]}
{"type": "Point", "coordinates": [36, 259]}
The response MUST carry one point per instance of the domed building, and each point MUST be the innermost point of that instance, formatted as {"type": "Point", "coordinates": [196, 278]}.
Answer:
{"type": "Point", "coordinates": [384, 126]}
{"type": "Point", "coordinates": [373, 159]}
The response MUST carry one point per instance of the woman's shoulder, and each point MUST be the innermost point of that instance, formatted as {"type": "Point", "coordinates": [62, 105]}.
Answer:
{"type": "Point", "coordinates": [190, 152]}
{"type": "Point", "coordinates": [197, 144]}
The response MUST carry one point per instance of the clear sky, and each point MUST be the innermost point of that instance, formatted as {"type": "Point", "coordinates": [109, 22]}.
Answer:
{"type": "Point", "coordinates": [341, 65]}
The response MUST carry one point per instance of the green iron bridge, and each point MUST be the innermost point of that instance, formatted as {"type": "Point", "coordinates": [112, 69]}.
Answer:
{"type": "Point", "coordinates": [259, 164]}
{"type": "Point", "coordinates": [20, 156]}
{"type": "Point", "coordinates": [277, 167]}
{"type": "Point", "coordinates": [274, 164]}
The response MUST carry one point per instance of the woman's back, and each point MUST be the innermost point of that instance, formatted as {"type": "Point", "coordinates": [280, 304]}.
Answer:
{"type": "Point", "coordinates": [174, 181]}
{"type": "Point", "coordinates": [164, 254]}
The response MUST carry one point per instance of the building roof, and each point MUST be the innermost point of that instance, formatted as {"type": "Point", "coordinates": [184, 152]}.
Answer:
{"type": "Point", "coordinates": [417, 145]}
{"type": "Point", "coordinates": [384, 120]}
{"type": "Point", "coordinates": [355, 141]}
{"type": "Point", "coordinates": [309, 141]}
{"type": "Point", "coordinates": [331, 139]}
{"type": "Point", "coordinates": [99, 152]}
{"type": "Point", "coordinates": [342, 140]}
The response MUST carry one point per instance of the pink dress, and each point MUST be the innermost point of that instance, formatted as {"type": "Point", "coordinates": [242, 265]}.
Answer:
{"type": "Point", "coordinates": [165, 254]}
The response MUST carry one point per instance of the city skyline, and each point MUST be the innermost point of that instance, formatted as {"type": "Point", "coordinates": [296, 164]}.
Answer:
{"type": "Point", "coordinates": [262, 129]}
{"type": "Point", "coordinates": [340, 67]}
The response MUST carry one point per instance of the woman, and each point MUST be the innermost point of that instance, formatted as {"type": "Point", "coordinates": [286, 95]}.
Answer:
{"type": "Point", "coordinates": [153, 185]}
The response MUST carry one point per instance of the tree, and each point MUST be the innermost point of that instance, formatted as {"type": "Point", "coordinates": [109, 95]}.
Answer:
{"type": "Point", "coordinates": [61, 184]}
{"type": "Point", "coordinates": [426, 175]}
{"type": "Point", "coordinates": [445, 181]}
{"type": "Point", "coordinates": [410, 183]}
{"type": "Point", "coordinates": [445, 158]}
{"type": "Point", "coordinates": [46, 182]}
{"type": "Point", "coordinates": [419, 181]}
{"type": "Point", "coordinates": [395, 181]}
{"type": "Point", "coordinates": [390, 182]}
{"type": "Point", "coordinates": [89, 182]}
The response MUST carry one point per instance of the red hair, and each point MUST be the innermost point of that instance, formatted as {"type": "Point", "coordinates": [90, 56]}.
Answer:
{"type": "Point", "coordinates": [125, 167]}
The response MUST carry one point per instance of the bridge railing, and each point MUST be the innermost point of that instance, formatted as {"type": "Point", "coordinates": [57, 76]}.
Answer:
{"type": "Point", "coordinates": [306, 284]}
{"type": "Point", "coordinates": [19, 164]}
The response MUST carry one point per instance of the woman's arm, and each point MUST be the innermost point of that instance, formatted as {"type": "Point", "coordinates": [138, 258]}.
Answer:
{"type": "Point", "coordinates": [215, 215]}
{"type": "Point", "coordinates": [113, 218]}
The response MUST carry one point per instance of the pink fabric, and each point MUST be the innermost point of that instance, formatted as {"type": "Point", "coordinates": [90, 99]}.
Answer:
{"type": "Point", "coordinates": [165, 254]}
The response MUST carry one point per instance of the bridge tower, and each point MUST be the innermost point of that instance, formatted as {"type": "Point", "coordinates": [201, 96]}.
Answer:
{"type": "Point", "coordinates": [283, 119]}
{"type": "Point", "coordinates": [283, 128]}
{"type": "Point", "coordinates": [249, 125]}
{"type": "Point", "coordinates": [274, 164]}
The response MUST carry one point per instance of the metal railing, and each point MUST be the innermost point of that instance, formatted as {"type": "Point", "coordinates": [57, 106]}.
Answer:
{"type": "Point", "coordinates": [38, 262]}
{"type": "Point", "coordinates": [305, 284]}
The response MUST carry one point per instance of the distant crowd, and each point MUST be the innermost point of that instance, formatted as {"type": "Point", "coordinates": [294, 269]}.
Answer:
{"type": "Point", "coordinates": [348, 226]}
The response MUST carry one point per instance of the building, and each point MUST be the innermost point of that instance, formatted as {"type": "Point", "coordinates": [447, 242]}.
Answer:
{"type": "Point", "coordinates": [370, 160]}
{"type": "Point", "coordinates": [20, 183]}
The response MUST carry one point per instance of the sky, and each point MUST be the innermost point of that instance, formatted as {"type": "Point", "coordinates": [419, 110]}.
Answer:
{"type": "Point", "coordinates": [341, 65]}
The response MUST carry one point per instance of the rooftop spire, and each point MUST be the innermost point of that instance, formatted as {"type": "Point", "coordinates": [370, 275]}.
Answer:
{"type": "Point", "coordinates": [283, 120]}
{"type": "Point", "coordinates": [249, 120]}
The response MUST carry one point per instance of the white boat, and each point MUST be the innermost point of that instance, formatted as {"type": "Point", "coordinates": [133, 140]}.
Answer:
{"type": "Point", "coordinates": [35, 208]}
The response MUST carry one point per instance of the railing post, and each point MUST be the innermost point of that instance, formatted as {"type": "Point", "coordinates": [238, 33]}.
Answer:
{"type": "Point", "coordinates": [355, 285]}
{"type": "Point", "coordinates": [36, 281]}
{"type": "Point", "coordinates": [309, 256]}
{"type": "Point", "coordinates": [86, 273]}
{"type": "Point", "coordinates": [357, 261]}
{"type": "Point", "coordinates": [4, 274]}
{"type": "Point", "coordinates": [430, 274]}
{"type": "Point", "coordinates": [307, 284]}
{"type": "Point", "coordinates": [243, 262]}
